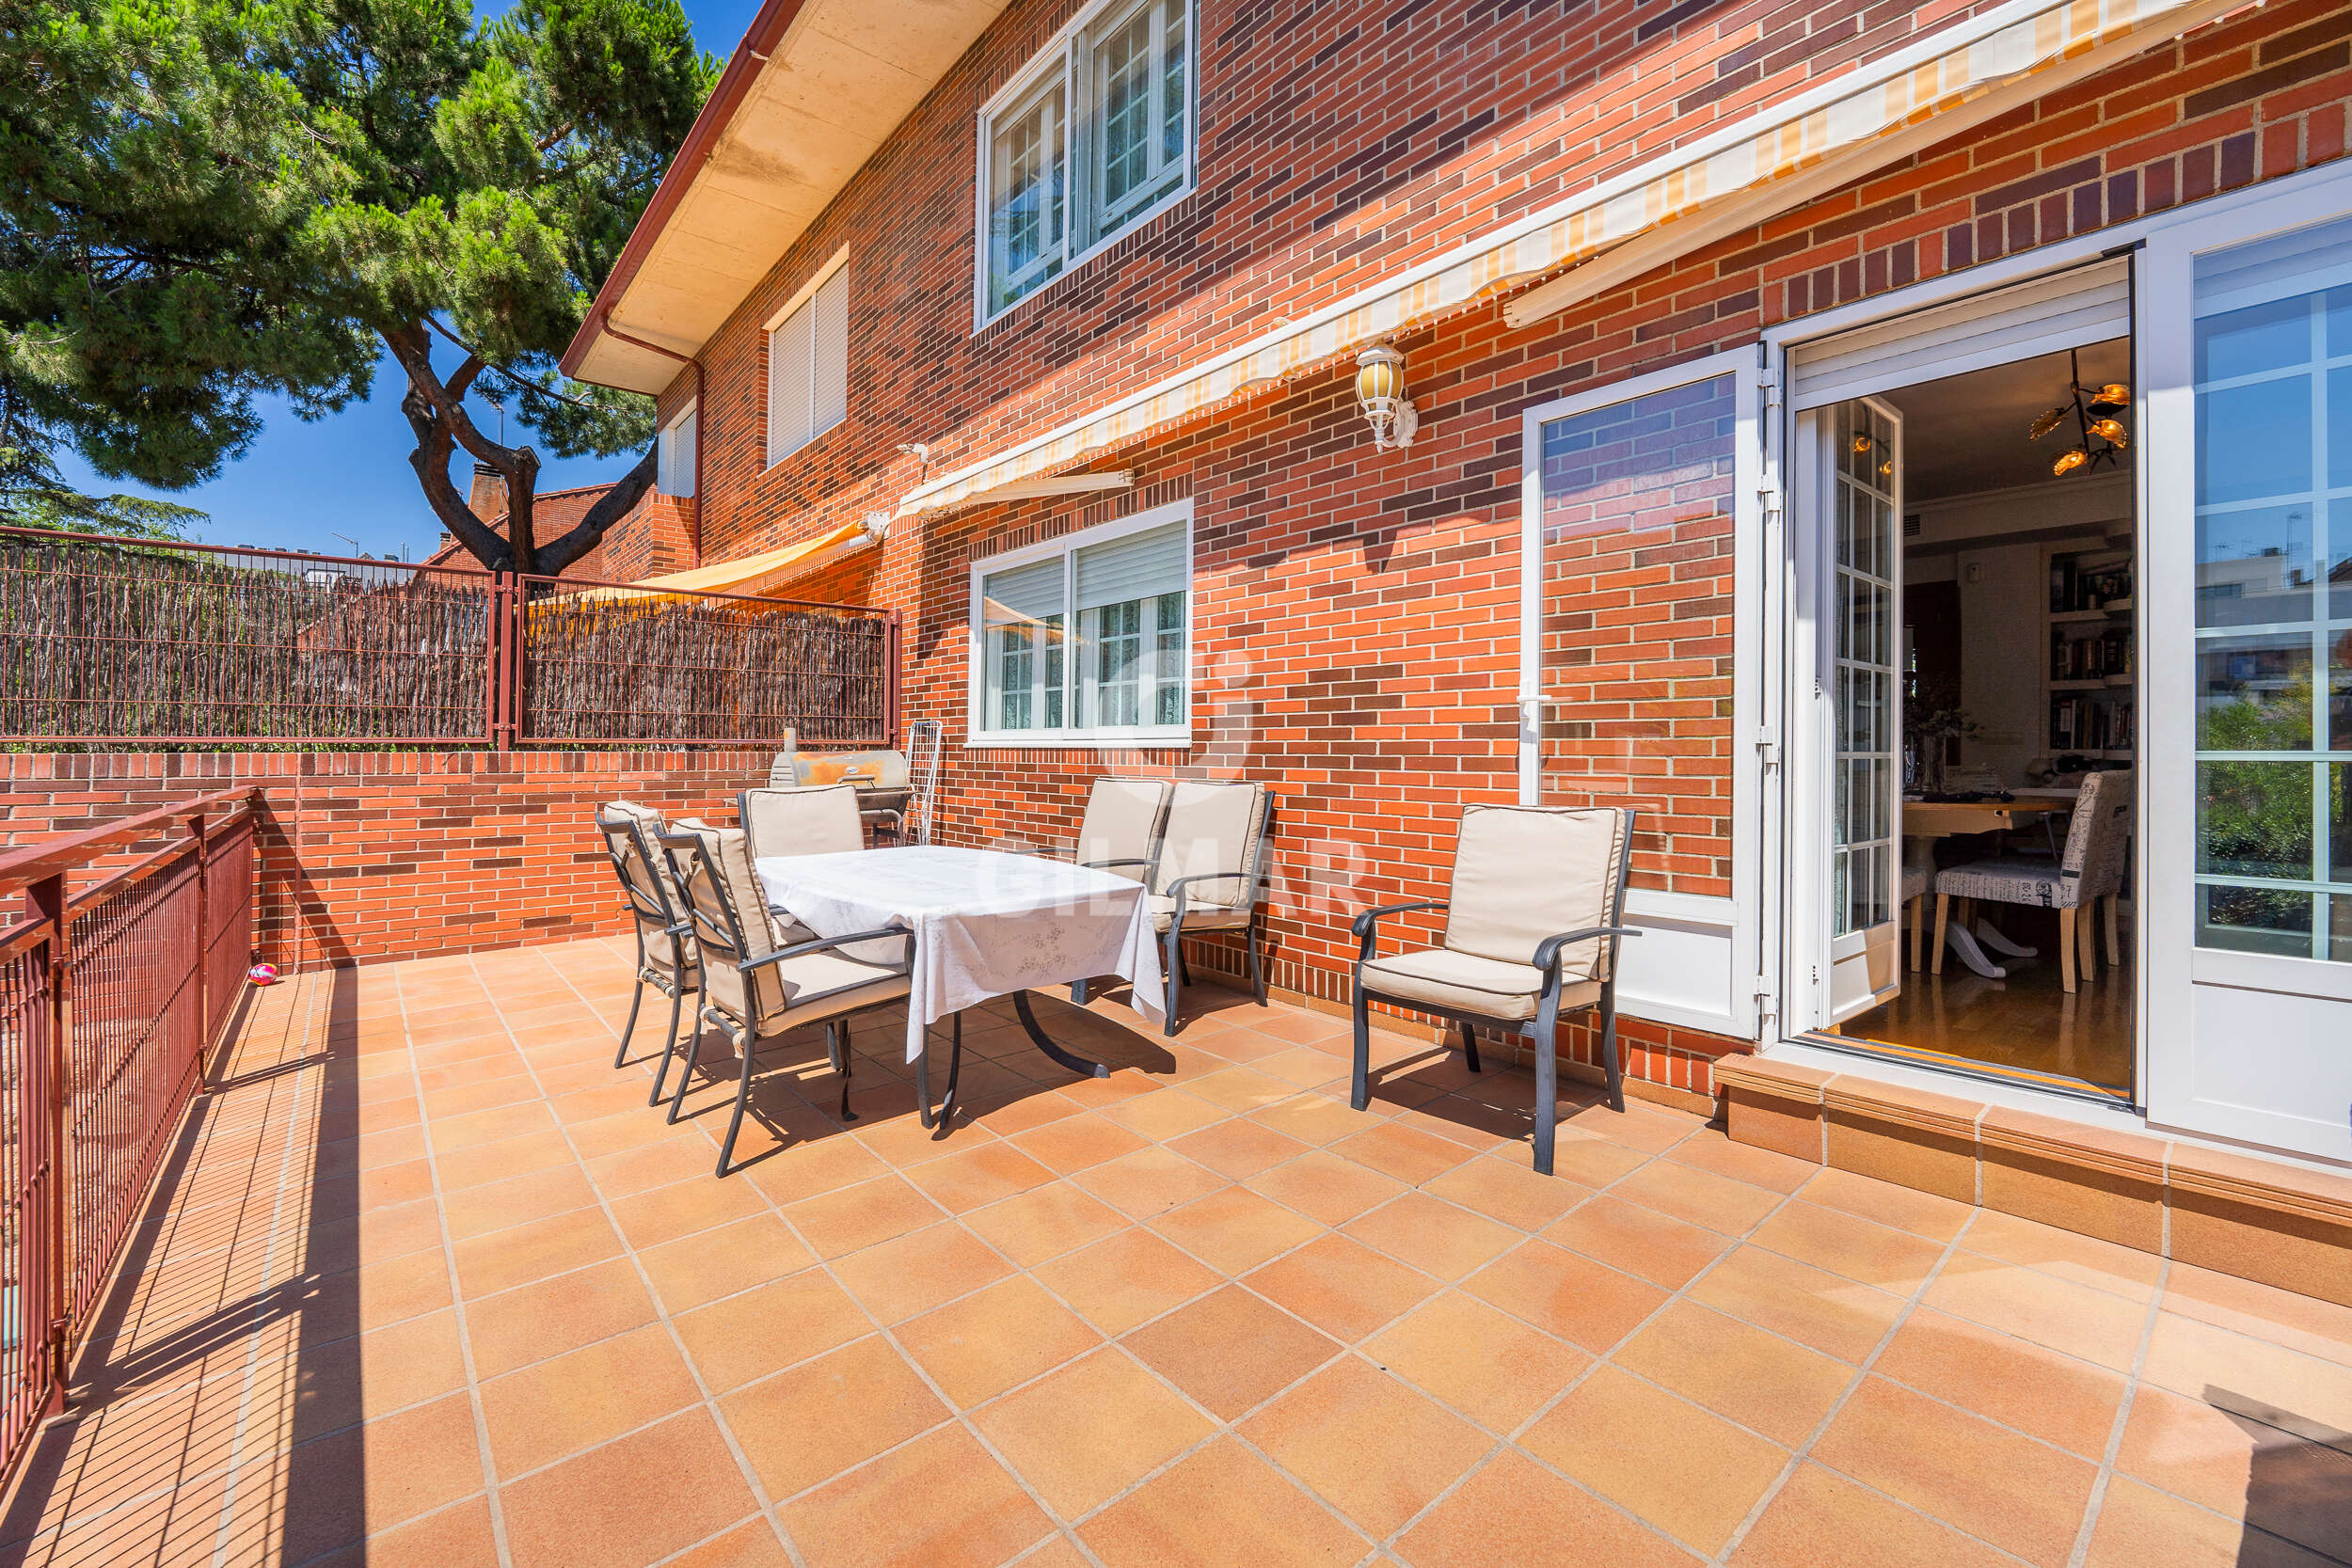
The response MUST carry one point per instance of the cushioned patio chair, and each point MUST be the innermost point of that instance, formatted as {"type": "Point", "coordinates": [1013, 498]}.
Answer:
{"type": "Point", "coordinates": [754, 987]}
{"type": "Point", "coordinates": [1209, 874]}
{"type": "Point", "coordinates": [815, 820]}
{"type": "Point", "coordinates": [666, 957]}
{"type": "Point", "coordinates": [1533, 924]}
{"type": "Point", "coordinates": [1120, 833]}
{"type": "Point", "coordinates": [2098, 846]}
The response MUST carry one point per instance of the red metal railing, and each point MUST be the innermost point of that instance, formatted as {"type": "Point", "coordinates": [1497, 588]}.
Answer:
{"type": "Point", "coordinates": [109, 998]}
{"type": "Point", "coordinates": [115, 641]}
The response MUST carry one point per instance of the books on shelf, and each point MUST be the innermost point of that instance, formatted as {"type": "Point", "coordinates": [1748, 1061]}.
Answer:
{"type": "Point", "coordinates": [2076, 588]}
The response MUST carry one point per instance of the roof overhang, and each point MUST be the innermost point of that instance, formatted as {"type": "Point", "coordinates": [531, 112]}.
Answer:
{"type": "Point", "coordinates": [810, 95]}
{"type": "Point", "coordinates": [1766, 163]}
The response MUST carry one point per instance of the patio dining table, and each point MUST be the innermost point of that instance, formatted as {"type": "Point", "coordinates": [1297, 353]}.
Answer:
{"type": "Point", "coordinates": [985, 925]}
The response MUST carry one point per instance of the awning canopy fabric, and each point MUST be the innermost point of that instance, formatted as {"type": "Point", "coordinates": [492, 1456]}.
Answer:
{"type": "Point", "coordinates": [1781, 155]}
{"type": "Point", "coordinates": [752, 574]}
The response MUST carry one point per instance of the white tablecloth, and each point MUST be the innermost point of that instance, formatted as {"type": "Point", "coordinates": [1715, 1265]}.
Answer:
{"type": "Point", "coordinates": [985, 924]}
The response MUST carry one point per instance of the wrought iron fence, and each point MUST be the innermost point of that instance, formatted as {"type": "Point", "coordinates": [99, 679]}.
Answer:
{"type": "Point", "coordinates": [131, 642]}
{"type": "Point", "coordinates": [109, 998]}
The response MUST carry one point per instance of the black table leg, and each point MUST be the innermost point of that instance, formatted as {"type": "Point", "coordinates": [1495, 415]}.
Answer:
{"type": "Point", "coordinates": [1078, 1065]}
{"type": "Point", "coordinates": [923, 1078]}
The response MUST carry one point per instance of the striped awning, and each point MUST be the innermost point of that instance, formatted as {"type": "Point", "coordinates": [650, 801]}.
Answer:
{"type": "Point", "coordinates": [2006, 48]}
{"type": "Point", "coordinates": [751, 574]}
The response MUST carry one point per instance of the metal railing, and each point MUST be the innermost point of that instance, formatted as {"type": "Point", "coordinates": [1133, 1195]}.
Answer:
{"type": "Point", "coordinates": [130, 641]}
{"type": "Point", "coordinates": [109, 998]}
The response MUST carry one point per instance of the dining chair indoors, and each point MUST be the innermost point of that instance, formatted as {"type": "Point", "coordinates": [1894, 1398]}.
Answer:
{"type": "Point", "coordinates": [1120, 833]}
{"type": "Point", "coordinates": [1209, 875]}
{"type": "Point", "coordinates": [666, 954]}
{"type": "Point", "coordinates": [1533, 921]}
{"type": "Point", "coordinates": [2098, 848]}
{"type": "Point", "coordinates": [755, 987]}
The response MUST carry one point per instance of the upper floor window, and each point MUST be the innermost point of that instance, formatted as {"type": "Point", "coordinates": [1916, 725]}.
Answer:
{"type": "Point", "coordinates": [1095, 135]}
{"type": "Point", "coordinates": [1084, 639]}
{"type": "Point", "coordinates": [674, 455]}
{"type": "Point", "coordinates": [808, 361]}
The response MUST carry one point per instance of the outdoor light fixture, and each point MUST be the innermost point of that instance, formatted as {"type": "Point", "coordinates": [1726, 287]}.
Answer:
{"type": "Point", "coordinates": [1380, 391]}
{"type": "Point", "coordinates": [2094, 409]}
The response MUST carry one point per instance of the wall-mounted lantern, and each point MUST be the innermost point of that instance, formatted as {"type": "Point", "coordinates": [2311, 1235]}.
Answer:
{"type": "Point", "coordinates": [1380, 392]}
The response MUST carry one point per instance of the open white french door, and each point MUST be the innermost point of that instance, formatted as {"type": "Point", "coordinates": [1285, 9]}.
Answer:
{"type": "Point", "coordinates": [1845, 707]}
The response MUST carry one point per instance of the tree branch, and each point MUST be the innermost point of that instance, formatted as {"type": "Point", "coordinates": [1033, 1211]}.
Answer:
{"type": "Point", "coordinates": [431, 461]}
{"type": "Point", "coordinates": [609, 508]}
{"type": "Point", "coordinates": [414, 349]}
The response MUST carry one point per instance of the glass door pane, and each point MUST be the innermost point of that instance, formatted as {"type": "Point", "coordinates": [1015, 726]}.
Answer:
{"type": "Point", "coordinates": [1860, 492]}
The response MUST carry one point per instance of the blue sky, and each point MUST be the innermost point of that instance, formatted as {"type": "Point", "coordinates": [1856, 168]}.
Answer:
{"type": "Point", "coordinates": [302, 484]}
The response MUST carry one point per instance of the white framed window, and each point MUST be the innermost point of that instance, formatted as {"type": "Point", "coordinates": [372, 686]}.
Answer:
{"type": "Point", "coordinates": [674, 454]}
{"type": "Point", "coordinates": [1093, 137]}
{"type": "Point", "coordinates": [808, 361]}
{"type": "Point", "coordinates": [1085, 639]}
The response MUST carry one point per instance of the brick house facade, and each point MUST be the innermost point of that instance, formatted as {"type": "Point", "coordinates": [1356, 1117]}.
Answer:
{"type": "Point", "coordinates": [1354, 611]}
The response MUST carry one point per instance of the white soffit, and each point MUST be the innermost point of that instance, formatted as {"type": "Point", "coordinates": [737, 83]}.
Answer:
{"type": "Point", "coordinates": [843, 77]}
{"type": "Point", "coordinates": [1781, 155]}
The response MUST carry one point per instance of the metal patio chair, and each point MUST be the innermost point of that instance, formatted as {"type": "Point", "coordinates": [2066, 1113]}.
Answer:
{"type": "Point", "coordinates": [1534, 920]}
{"type": "Point", "coordinates": [666, 956]}
{"type": "Point", "coordinates": [1120, 833]}
{"type": "Point", "coordinates": [754, 987]}
{"type": "Point", "coordinates": [811, 820]}
{"type": "Point", "coordinates": [1209, 873]}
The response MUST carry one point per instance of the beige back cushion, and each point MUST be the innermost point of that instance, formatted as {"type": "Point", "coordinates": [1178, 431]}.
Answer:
{"type": "Point", "coordinates": [1122, 820]}
{"type": "Point", "coordinates": [817, 821]}
{"type": "Point", "coordinates": [1212, 828]}
{"type": "Point", "coordinates": [720, 874]}
{"type": "Point", "coordinates": [632, 865]}
{"type": "Point", "coordinates": [1524, 873]}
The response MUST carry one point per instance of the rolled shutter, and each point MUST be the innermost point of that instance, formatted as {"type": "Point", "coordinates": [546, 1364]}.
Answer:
{"type": "Point", "coordinates": [828, 368]}
{"type": "Point", "coordinates": [787, 385]}
{"type": "Point", "coordinates": [1136, 568]}
{"type": "Point", "coordinates": [1023, 593]}
{"type": "Point", "coordinates": [2068, 309]}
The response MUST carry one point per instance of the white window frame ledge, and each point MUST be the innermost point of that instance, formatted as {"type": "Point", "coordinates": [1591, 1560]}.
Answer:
{"type": "Point", "coordinates": [1090, 740]}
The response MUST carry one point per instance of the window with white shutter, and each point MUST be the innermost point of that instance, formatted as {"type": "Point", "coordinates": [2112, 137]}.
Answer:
{"type": "Point", "coordinates": [1086, 638]}
{"type": "Point", "coordinates": [808, 367]}
{"type": "Point", "coordinates": [674, 455]}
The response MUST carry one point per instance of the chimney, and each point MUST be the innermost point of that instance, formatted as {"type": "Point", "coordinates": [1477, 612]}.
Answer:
{"type": "Point", "coordinates": [487, 499]}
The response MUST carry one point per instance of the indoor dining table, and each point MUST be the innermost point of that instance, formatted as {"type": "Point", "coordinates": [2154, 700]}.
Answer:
{"type": "Point", "coordinates": [986, 924]}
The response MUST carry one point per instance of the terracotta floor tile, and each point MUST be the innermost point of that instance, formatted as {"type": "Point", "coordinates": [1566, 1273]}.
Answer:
{"type": "Point", "coordinates": [1343, 1287]}
{"type": "Point", "coordinates": [1775, 1386]}
{"type": "Point", "coordinates": [1512, 1510]}
{"type": "Point", "coordinates": [1324, 1186]}
{"type": "Point", "coordinates": [970, 1178]}
{"type": "Point", "coordinates": [1150, 1182]}
{"type": "Point", "coordinates": [637, 1501]}
{"type": "Point", "coordinates": [2270, 1382]}
{"type": "Point", "coordinates": [1311, 1119]}
{"type": "Point", "coordinates": [939, 1502]}
{"type": "Point", "coordinates": [1407, 1153]}
{"type": "Point", "coordinates": [350, 1380]}
{"type": "Point", "coordinates": [1223, 1505]}
{"type": "Point", "coordinates": [806, 1424]}
{"type": "Point", "coordinates": [2081, 1322]}
{"type": "Point", "coordinates": [1022, 1110]}
{"type": "Point", "coordinates": [1234, 1231]}
{"type": "Point", "coordinates": [574, 1401]}
{"type": "Point", "coordinates": [801, 1171]}
{"type": "Point", "coordinates": [751, 1545]}
{"type": "Point", "coordinates": [475, 1128]}
{"type": "Point", "coordinates": [702, 1268]}
{"type": "Point", "coordinates": [1637, 1240]}
{"type": "Point", "coordinates": [1849, 1244]}
{"type": "Point", "coordinates": [458, 1536]}
{"type": "Point", "coordinates": [1485, 1363]}
{"type": "Point", "coordinates": [1166, 1114]}
{"type": "Point", "coordinates": [2041, 1393]}
{"type": "Point", "coordinates": [517, 1327]}
{"type": "Point", "coordinates": [990, 1341]}
{"type": "Point", "coordinates": [2320, 1328]}
{"type": "Point", "coordinates": [367, 1478]}
{"type": "Point", "coordinates": [500, 1205]}
{"type": "Point", "coordinates": [2242, 1468]}
{"type": "Point", "coordinates": [1056, 1434]}
{"type": "Point", "coordinates": [1239, 1148]}
{"type": "Point", "coordinates": [2138, 1527]}
{"type": "Point", "coordinates": [1811, 1305]}
{"type": "Point", "coordinates": [506, 1258]}
{"type": "Point", "coordinates": [1937, 1459]}
{"type": "Point", "coordinates": [1241, 1088]}
{"type": "Point", "coordinates": [1582, 1302]}
{"type": "Point", "coordinates": [661, 1214]}
{"type": "Point", "coordinates": [2084, 1260]}
{"type": "Point", "coordinates": [1926, 1214]}
{"type": "Point", "coordinates": [1045, 1222]}
{"type": "Point", "coordinates": [1510, 1192]}
{"type": "Point", "coordinates": [913, 1273]}
{"type": "Point", "coordinates": [845, 1220]}
{"type": "Point", "coordinates": [770, 1327]}
{"type": "Point", "coordinates": [1632, 1442]}
{"type": "Point", "coordinates": [1074, 1143]}
{"type": "Point", "coordinates": [1712, 1150]}
{"type": "Point", "coordinates": [1230, 1350]}
{"type": "Point", "coordinates": [1370, 1444]}
{"type": "Point", "coordinates": [1698, 1196]}
{"type": "Point", "coordinates": [1125, 1279]}
{"type": "Point", "coordinates": [1821, 1518]}
{"type": "Point", "coordinates": [502, 1161]}
{"type": "Point", "coordinates": [1432, 1235]}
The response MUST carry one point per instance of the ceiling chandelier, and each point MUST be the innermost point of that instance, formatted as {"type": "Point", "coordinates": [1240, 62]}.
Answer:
{"type": "Point", "coordinates": [2101, 437]}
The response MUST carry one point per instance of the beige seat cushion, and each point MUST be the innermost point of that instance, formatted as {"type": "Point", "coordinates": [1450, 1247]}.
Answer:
{"type": "Point", "coordinates": [1464, 982]}
{"type": "Point", "coordinates": [818, 986]}
{"type": "Point", "coordinates": [1198, 915]}
{"type": "Point", "coordinates": [1121, 823]}
{"type": "Point", "coordinates": [783, 930]}
{"type": "Point", "coordinates": [1525, 873]}
{"type": "Point", "coordinates": [1211, 829]}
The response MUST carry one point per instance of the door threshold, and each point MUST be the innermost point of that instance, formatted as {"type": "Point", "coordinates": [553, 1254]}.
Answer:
{"type": "Point", "coordinates": [1962, 1066]}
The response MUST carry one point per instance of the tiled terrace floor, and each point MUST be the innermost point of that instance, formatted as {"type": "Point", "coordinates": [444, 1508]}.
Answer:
{"type": "Point", "coordinates": [428, 1284]}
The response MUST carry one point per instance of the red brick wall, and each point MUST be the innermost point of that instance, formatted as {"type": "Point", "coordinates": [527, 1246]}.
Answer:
{"type": "Point", "coordinates": [378, 855]}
